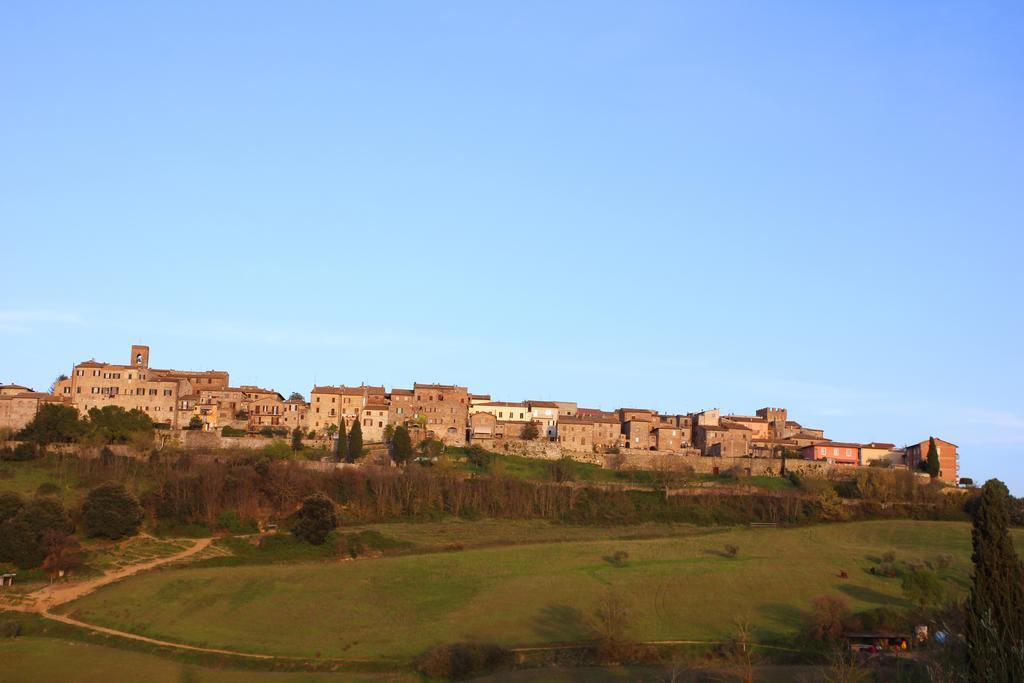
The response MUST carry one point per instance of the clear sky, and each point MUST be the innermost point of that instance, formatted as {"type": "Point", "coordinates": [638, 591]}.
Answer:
{"type": "Point", "coordinates": [669, 205]}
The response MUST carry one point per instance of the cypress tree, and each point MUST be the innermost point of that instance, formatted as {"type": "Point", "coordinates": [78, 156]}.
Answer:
{"type": "Point", "coordinates": [341, 452]}
{"type": "Point", "coordinates": [933, 458]}
{"type": "Point", "coordinates": [994, 626]}
{"type": "Point", "coordinates": [401, 446]}
{"type": "Point", "coordinates": [355, 442]}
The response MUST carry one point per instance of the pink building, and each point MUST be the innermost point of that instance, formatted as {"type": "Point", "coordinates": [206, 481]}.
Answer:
{"type": "Point", "coordinates": [833, 451]}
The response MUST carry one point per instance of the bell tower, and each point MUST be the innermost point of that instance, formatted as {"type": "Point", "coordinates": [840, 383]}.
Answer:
{"type": "Point", "coordinates": [140, 356]}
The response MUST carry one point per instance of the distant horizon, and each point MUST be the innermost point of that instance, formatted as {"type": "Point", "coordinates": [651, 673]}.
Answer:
{"type": "Point", "coordinates": [687, 205]}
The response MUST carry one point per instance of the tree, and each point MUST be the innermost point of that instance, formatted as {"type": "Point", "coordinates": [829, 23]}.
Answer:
{"type": "Point", "coordinates": [111, 511]}
{"type": "Point", "coordinates": [827, 619]}
{"type": "Point", "coordinates": [297, 439]}
{"type": "Point", "coordinates": [994, 625]}
{"type": "Point", "coordinates": [530, 431]}
{"type": "Point", "coordinates": [20, 544]}
{"type": "Point", "coordinates": [355, 442]}
{"type": "Point", "coordinates": [10, 505]}
{"type": "Point", "coordinates": [401, 446]}
{"type": "Point", "coordinates": [315, 519]}
{"type": "Point", "coordinates": [60, 378]}
{"type": "Point", "coordinates": [195, 422]}
{"type": "Point", "coordinates": [63, 553]}
{"type": "Point", "coordinates": [389, 433]}
{"type": "Point", "coordinates": [296, 396]}
{"type": "Point", "coordinates": [933, 458]}
{"type": "Point", "coordinates": [341, 448]}
{"type": "Point", "coordinates": [53, 423]}
{"type": "Point", "coordinates": [114, 424]}
{"type": "Point", "coordinates": [923, 588]}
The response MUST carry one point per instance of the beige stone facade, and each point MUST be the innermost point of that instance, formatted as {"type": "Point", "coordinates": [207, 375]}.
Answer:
{"type": "Point", "coordinates": [19, 405]}
{"type": "Point", "coordinates": [444, 411]}
{"type": "Point", "coordinates": [545, 414]}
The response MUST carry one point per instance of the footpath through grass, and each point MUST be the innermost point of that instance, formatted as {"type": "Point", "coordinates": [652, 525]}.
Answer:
{"type": "Point", "coordinates": [393, 608]}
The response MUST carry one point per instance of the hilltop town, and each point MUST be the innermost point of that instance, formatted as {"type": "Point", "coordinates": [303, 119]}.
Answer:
{"type": "Point", "coordinates": [202, 408]}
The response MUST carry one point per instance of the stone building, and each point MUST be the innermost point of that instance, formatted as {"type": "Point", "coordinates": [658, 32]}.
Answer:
{"type": "Point", "coordinates": [881, 452]}
{"type": "Point", "coordinates": [726, 440]}
{"type": "Point", "coordinates": [949, 461]}
{"type": "Point", "coordinates": [156, 392]}
{"type": "Point", "coordinates": [373, 419]}
{"type": "Point", "coordinates": [19, 405]}
{"type": "Point", "coordinates": [637, 431]}
{"type": "Point", "coordinates": [443, 410]}
{"type": "Point", "coordinates": [576, 433]}
{"type": "Point", "coordinates": [545, 414]}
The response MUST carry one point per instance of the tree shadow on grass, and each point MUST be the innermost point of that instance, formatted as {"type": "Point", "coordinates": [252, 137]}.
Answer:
{"type": "Point", "coordinates": [561, 624]}
{"type": "Point", "coordinates": [865, 594]}
{"type": "Point", "coordinates": [785, 618]}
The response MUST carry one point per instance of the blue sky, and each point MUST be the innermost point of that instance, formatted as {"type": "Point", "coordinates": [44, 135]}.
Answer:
{"type": "Point", "coordinates": [672, 205]}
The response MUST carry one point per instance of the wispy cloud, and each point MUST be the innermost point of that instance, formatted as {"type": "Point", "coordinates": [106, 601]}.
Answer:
{"type": "Point", "coordinates": [25, 320]}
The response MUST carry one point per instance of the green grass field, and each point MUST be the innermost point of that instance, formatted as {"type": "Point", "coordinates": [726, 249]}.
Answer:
{"type": "Point", "coordinates": [50, 659]}
{"type": "Point", "coordinates": [390, 609]}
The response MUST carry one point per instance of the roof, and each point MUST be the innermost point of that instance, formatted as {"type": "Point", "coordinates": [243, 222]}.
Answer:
{"type": "Point", "coordinates": [14, 386]}
{"type": "Point", "coordinates": [874, 444]}
{"type": "Point", "coordinates": [440, 387]}
{"type": "Point", "coordinates": [91, 364]}
{"type": "Point", "coordinates": [744, 418]}
{"type": "Point", "coordinates": [838, 444]}
{"type": "Point", "coordinates": [576, 421]}
{"type": "Point", "coordinates": [501, 404]}
{"type": "Point", "coordinates": [542, 404]}
{"type": "Point", "coordinates": [638, 410]}
{"type": "Point", "coordinates": [402, 392]}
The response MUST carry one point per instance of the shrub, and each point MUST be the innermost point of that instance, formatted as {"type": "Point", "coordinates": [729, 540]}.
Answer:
{"type": "Point", "coordinates": [267, 432]}
{"type": "Point", "coordinates": [231, 431]}
{"type": "Point", "coordinates": [889, 556]}
{"type": "Point", "coordinates": [10, 628]}
{"type": "Point", "coordinates": [731, 550]}
{"type": "Point", "coordinates": [478, 456]}
{"type": "Point", "coordinates": [111, 511]}
{"type": "Point", "coordinates": [563, 469]}
{"type": "Point", "coordinates": [462, 660]}
{"type": "Point", "coordinates": [10, 505]}
{"type": "Point", "coordinates": [277, 450]}
{"type": "Point", "coordinates": [47, 488]}
{"type": "Point", "coordinates": [619, 558]}
{"type": "Point", "coordinates": [944, 561]}
{"type": "Point", "coordinates": [20, 453]}
{"type": "Point", "coordinates": [827, 619]}
{"type": "Point", "coordinates": [315, 519]}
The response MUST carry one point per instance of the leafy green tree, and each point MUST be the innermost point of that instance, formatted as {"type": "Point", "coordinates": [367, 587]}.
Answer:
{"type": "Point", "coordinates": [530, 431]}
{"type": "Point", "coordinates": [315, 520]}
{"type": "Point", "coordinates": [923, 588]}
{"type": "Point", "coordinates": [296, 396]}
{"type": "Point", "coordinates": [297, 439]}
{"type": "Point", "coordinates": [111, 511]}
{"type": "Point", "coordinates": [53, 423]}
{"type": "Point", "coordinates": [933, 458]}
{"type": "Point", "coordinates": [389, 433]}
{"type": "Point", "coordinates": [994, 627]}
{"type": "Point", "coordinates": [47, 514]}
{"type": "Point", "coordinates": [10, 505]}
{"type": "Point", "coordinates": [114, 424]}
{"type": "Point", "coordinates": [20, 544]}
{"type": "Point", "coordinates": [195, 422]}
{"type": "Point", "coordinates": [401, 446]}
{"type": "Point", "coordinates": [355, 442]}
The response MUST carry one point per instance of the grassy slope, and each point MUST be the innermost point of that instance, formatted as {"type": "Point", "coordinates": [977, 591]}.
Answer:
{"type": "Point", "coordinates": [49, 659]}
{"type": "Point", "coordinates": [398, 606]}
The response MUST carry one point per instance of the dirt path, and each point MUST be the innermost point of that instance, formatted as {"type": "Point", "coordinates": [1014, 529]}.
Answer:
{"type": "Point", "coordinates": [54, 594]}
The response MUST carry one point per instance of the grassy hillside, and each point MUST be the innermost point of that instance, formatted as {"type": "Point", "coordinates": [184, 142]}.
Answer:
{"type": "Point", "coordinates": [48, 659]}
{"type": "Point", "coordinates": [680, 587]}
